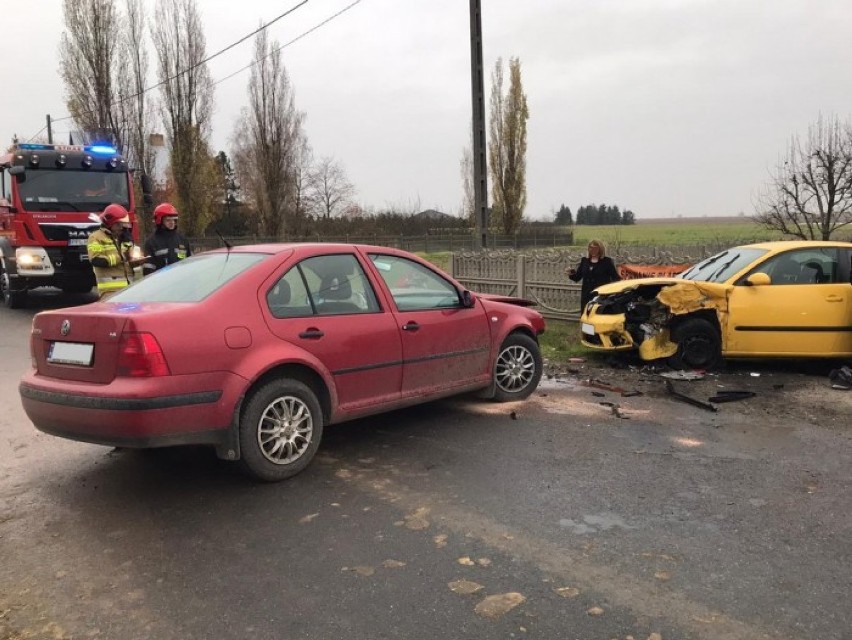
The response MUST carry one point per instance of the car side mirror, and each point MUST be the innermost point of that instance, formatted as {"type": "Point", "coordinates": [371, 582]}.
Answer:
{"type": "Point", "coordinates": [147, 199]}
{"type": "Point", "coordinates": [147, 187]}
{"type": "Point", "coordinates": [468, 299]}
{"type": "Point", "coordinates": [758, 279]}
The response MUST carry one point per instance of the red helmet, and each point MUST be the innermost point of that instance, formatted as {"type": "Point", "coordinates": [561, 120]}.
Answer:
{"type": "Point", "coordinates": [165, 210]}
{"type": "Point", "coordinates": [114, 213]}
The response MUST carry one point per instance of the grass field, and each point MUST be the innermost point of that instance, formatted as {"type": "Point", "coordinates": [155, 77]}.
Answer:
{"type": "Point", "coordinates": [676, 232]}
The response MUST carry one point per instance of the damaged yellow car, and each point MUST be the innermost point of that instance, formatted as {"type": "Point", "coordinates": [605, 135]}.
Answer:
{"type": "Point", "coordinates": [789, 299]}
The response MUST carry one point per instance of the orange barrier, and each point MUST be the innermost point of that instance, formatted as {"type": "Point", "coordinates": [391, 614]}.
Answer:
{"type": "Point", "coordinates": [631, 271]}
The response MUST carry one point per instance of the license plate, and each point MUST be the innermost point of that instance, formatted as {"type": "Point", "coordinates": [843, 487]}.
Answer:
{"type": "Point", "coordinates": [77, 242]}
{"type": "Point", "coordinates": [588, 329]}
{"type": "Point", "coordinates": [71, 353]}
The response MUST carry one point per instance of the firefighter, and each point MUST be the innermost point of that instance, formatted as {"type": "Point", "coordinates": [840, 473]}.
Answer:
{"type": "Point", "coordinates": [166, 245]}
{"type": "Point", "coordinates": [111, 251]}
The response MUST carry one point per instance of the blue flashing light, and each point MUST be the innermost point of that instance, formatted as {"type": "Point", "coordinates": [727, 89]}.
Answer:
{"type": "Point", "coordinates": [35, 147]}
{"type": "Point", "coordinates": [102, 150]}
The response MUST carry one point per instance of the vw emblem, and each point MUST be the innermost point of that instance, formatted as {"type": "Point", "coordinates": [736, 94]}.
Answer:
{"type": "Point", "coordinates": [65, 329]}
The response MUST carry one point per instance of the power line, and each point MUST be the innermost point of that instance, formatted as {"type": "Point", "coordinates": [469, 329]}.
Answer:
{"type": "Point", "coordinates": [36, 133]}
{"type": "Point", "coordinates": [287, 44]}
{"type": "Point", "coordinates": [198, 64]}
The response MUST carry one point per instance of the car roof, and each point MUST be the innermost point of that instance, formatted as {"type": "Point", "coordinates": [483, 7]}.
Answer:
{"type": "Point", "coordinates": [780, 245]}
{"type": "Point", "coordinates": [329, 247]}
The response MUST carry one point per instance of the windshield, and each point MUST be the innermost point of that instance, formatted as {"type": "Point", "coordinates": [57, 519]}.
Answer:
{"type": "Point", "coordinates": [721, 267]}
{"type": "Point", "coordinates": [190, 280]}
{"type": "Point", "coordinates": [70, 190]}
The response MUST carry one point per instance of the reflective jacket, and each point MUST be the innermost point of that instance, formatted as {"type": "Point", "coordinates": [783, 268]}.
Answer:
{"type": "Point", "coordinates": [165, 247]}
{"type": "Point", "coordinates": [119, 273]}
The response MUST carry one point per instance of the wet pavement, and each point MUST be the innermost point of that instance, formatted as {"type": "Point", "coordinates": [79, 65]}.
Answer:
{"type": "Point", "coordinates": [553, 518]}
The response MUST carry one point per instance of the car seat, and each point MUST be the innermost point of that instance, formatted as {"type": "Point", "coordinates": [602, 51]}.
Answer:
{"type": "Point", "coordinates": [812, 273]}
{"type": "Point", "coordinates": [335, 296]}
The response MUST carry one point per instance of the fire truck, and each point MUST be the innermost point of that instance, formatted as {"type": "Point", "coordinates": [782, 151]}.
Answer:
{"type": "Point", "coordinates": [50, 198]}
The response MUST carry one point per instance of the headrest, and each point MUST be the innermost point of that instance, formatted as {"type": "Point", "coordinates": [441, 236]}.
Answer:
{"type": "Point", "coordinates": [280, 294]}
{"type": "Point", "coordinates": [336, 288]}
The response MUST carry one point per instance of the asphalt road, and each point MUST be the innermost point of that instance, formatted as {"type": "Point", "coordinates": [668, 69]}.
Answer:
{"type": "Point", "coordinates": [561, 519]}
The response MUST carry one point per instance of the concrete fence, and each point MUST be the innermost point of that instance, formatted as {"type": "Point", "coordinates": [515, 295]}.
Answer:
{"type": "Point", "coordinates": [541, 276]}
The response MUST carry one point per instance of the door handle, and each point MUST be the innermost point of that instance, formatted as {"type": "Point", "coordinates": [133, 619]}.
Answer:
{"type": "Point", "coordinates": [410, 326]}
{"type": "Point", "coordinates": [311, 334]}
{"type": "Point", "coordinates": [834, 299]}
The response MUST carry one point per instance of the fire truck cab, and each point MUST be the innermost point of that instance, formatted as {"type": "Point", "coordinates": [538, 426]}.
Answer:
{"type": "Point", "coordinates": [50, 198]}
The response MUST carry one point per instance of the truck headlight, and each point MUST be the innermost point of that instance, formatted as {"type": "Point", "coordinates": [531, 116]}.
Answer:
{"type": "Point", "coordinates": [33, 260]}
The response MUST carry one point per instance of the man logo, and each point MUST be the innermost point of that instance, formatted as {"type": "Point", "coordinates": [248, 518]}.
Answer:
{"type": "Point", "coordinates": [65, 329]}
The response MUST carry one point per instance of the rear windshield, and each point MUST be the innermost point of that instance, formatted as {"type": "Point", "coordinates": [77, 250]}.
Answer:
{"type": "Point", "coordinates": [70, 190]}
{"type": "Point", "coordinates": [190, 280]}
{"type": "Point", "coordinates": [721, 267]}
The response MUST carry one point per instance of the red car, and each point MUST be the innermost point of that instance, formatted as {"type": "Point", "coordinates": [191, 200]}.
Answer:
{"type": "Point", "coordinates": [255, 349]}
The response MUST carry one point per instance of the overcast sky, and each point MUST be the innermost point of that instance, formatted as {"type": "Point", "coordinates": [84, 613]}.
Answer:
{"type": "Point", "coordinates": [665, 107]}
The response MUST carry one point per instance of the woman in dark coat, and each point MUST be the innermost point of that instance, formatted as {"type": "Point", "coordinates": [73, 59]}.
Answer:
{"type": "Point", "coordinates": [594, 271]}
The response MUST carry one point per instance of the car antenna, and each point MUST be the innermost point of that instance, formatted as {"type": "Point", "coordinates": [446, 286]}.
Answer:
{"type": "Point", "coordinates": [227, 244]}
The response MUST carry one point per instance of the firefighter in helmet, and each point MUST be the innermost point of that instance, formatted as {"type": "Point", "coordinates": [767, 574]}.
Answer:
{"type": "Point", "coordinates": [166, 245]}
{"type": "Point", "coordinates": [112, 253]}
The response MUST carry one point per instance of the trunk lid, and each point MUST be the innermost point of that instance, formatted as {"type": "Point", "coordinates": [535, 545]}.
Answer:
{"type": "Point", "coordinates": [78, 344]}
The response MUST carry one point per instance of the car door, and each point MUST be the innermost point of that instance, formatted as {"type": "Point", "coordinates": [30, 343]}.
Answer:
{"type": "Point", "coordinates": [326, 305]}
{"type": "Point", "coordinates": [804, 311]}
{"type": "Point", "coordinates": [444, 343]}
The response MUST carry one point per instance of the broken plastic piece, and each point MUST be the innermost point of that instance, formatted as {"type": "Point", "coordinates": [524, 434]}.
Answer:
{"type": "Point", "coordinates": [682, 375]}
{"type": "Point", "coordinates": [732, 396]}
{"type": "Point", "coordinates": [685, 398]}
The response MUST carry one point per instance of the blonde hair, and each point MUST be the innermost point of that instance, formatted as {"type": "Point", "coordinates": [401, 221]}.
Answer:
{"type": "Point", "coordinates": [601, 247]}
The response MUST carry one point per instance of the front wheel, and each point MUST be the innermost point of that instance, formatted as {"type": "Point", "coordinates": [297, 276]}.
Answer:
{"type": "Point", "coordinates": [517, 370]}
{"type": "Point", "coordinates": [12, 299]}
{"type": "Point", "coordinates": [698, 345]}
{"type": "Point", "coordinates": [280, 430]}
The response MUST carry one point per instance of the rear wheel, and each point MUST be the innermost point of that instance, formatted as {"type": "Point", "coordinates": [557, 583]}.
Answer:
{"type": "Point", "coordinates": [280, 430]}
{"type": "Point", "coordinates": [12, 299]}
{"type": "Point", "coordinates": [698, 345]}
{"type": "Point", "coordinates": [517, 370]}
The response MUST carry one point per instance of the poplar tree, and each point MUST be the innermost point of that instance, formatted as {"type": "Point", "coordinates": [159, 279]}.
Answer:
{"type": "Point", "coordinates": [508, 148]}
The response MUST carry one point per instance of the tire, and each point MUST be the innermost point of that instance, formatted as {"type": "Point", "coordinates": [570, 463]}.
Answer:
{"type": "Point", "coordinates": [280, 430]}
{"type": "Point", "coordinates": [518, 368]}
{"type": "Point", "coordinates": [12, 299]}
{"type": "Point", "coordinates": [699, 345]}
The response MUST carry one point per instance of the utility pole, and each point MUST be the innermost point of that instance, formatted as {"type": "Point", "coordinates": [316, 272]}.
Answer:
{"type": "Point", "coordinates": [480, 160]}
{"type": "Point", "coordinates": [49, 130]}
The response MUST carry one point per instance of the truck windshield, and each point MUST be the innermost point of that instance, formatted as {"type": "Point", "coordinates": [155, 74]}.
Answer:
{"type": "Point", "coordinates": [69, 190]}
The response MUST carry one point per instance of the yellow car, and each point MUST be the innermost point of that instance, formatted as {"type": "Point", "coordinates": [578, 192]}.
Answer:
{"type": "Point", "coordinates": [790, 299]}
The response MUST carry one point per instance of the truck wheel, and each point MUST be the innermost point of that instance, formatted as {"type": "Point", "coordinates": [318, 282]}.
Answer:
{"type": "Point", "coordinates": [280, 430]}
{"type": "Point", "coordinates": [698, 345]}
{"type": "Point", "coordinates": [12, 299]}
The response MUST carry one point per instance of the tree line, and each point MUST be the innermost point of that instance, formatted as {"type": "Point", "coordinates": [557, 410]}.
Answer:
{"type": "Point", "coordinates": [595, 214]}
{"type": "Point", "coordinates": [270, 178]}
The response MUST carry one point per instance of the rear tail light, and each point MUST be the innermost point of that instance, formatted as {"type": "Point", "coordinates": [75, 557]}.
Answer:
{"type": "Point", "coordinates": [140, 355]}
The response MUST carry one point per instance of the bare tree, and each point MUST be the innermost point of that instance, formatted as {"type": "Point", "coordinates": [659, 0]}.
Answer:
{"type": "Point", "coordinates": [508, 147]}
{"type": "Point", "coordinates": [90, 53]}
{"type": "Point", "coordinates": [134, 105]}
{"type": "Point", "coordinates": [810, 193]}
{"type": "Point", "coordinates": [268, 139]}
{"type": "Point", "coordinates": [330, 187]}
{"type": "Point", "coordinates": [187, 105]}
